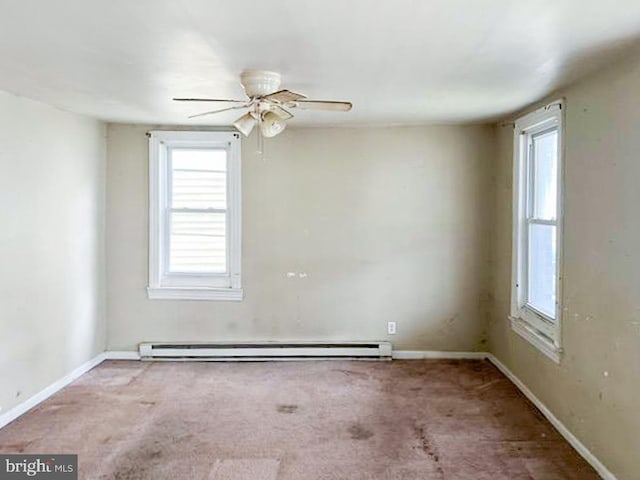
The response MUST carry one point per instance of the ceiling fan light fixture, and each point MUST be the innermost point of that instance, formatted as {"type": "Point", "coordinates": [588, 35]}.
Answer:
{"type": "Point", "coordinates": [268, 105]}
{"type": "Point", "coordinates": [271, 125]}
{"type": "Point", "coordinates": [245, 124]}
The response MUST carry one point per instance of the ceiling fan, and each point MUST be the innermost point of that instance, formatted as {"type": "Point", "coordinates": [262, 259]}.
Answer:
{"type": "Point", "coordinates": [268, 106]}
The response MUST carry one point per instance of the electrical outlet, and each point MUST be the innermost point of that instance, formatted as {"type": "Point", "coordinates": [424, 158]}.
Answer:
{"type": "Point", "coordinates": [391, 328]}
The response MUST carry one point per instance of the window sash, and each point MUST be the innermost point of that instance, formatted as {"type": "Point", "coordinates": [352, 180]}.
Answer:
{"type": "Point", "coordinates": [538, 123]}
{"type": "Point", "coordinates": [530, 187]}
{"type": "Point", "coordinates": [532, 173]}
{"type": "Point", "coordinates": [169, 210]}
{"type": "Point", "coordinates": [526, 293]}
{"type": "Point", "coordinates": [168, 232]}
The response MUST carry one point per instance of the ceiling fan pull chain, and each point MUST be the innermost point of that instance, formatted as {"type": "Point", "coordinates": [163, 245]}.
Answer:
{"type": "Point", "coordinates": [260, 136]}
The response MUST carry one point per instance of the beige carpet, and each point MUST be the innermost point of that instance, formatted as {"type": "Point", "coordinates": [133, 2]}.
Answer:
{"type": "Point", "coordinates": [440, 420]}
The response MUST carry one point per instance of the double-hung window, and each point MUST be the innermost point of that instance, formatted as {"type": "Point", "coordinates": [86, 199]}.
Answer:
{"type": "Point", "coordinates": [535, 299]}
{"type": "Point", "coordinates": [194, 215]}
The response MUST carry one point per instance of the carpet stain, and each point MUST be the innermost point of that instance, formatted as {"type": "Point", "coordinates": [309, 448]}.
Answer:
{"type": "Point", "coordinates": [287, 408]}
{"type": "Point", "coordinates": [155, 454]}
{"type": "Point", "coordinates": [428, 448]}
{"type": "Point", "coordinates": [19, 446]}
{"type": "Point", "coordinates": [142, 461]}
{"type": "Point", "coordinates": [478, 367]}
{"type": "Point", "coordinates": [358, 432]}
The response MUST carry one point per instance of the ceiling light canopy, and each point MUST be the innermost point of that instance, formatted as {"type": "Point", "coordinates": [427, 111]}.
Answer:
{"type": "Point", "coordinates": [258, 83]}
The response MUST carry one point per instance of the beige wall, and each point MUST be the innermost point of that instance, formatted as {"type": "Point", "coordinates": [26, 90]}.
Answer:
{"type": "Point", "coordinates": [52, 173]}
{"type": "Point", "coordinates": [596, 388]}
{"type": "Point", "coordinates": [387, 223]}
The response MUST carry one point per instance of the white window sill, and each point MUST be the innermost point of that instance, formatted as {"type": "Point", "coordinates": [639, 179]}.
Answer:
{"type": "Point", "coordinates": [177, 293]}
{"type": "Point", "coordinates": [537, 339]}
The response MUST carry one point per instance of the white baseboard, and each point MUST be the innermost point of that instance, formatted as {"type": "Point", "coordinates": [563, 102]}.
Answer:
{"type": "Point", "coordinates": [396, 354]}
{"type": "Point", "coordinates": [41, 396]}
{"type": "Point", "coordinates": [122, 355]}
{"type": "Point", "coordinates": [564, 431]}
{"type": "Point", "coordinates": [430, 354]}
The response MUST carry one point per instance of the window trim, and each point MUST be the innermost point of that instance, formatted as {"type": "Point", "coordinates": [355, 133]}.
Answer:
{"type": "Point", "coordinates": [196, 286]}
{"type": "Point", "coordinates": [527, 322]}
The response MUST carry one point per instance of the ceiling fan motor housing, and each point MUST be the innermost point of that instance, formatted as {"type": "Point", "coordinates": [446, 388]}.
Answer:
{"type": "Point", "coordinates": [258, 83]}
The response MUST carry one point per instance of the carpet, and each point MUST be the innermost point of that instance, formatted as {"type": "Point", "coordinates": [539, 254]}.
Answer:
{"type": "Point", "coordinates": [355, 420]}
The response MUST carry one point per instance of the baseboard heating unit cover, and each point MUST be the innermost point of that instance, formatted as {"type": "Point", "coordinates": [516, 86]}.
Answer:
{"type": "Point", "coordinates": [264, 351]}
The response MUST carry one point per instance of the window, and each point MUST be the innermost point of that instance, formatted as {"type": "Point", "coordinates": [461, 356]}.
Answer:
{"type": "Point", "coordinates": [535, 299]}
{"type": "Point", "coordinates": [194, 216]}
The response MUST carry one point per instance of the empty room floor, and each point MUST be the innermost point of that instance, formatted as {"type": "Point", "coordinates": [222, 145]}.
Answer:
{"type": "Point", "coordinates": [431, 419]}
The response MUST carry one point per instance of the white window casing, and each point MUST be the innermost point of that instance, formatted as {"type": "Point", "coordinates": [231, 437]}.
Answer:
{"type": "Point", "coordinates": [195, 216]}
{"type": "Point", "coordinates": [538, 321]}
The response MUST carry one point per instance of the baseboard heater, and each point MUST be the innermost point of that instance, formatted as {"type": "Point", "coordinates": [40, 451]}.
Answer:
{"type": "Point", "coordinates": [264, 351]}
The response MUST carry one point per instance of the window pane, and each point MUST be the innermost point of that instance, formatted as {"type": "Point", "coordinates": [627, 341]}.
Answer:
{"type": "Point", "coordinates": [198, 243]}
{"type": "Point", "coordinates": [199, 159]}
{"type": "Point", "coordinates": [199, 179]}
{"type": "Point", "coordinates": [542, 269]}
{"type": "Point", "coordinates": [197, 189]}
{"type": "Point", "coordinates": [545, 174]}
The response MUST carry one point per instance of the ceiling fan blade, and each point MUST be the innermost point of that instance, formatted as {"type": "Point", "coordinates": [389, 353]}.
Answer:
{"type": "Point", "coordinates": [207, 100]}
{"type": "Point", "coordinates": [216, 111]}
{"type": "Point", "coordinates": [284, 96]}
{"type": "Point", "coordinates": [281, 112]}
{"type": "Point", "coordinates": [323, 105]}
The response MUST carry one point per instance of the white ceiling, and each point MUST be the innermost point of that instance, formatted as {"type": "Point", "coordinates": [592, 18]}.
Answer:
{"type": "Point", "coordinates": [399, 62]}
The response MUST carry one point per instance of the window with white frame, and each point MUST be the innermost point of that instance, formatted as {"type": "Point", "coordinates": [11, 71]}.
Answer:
{"type": "Point", "coordinates": [194, 215]}
{"type": "Point", "coordinates": [535, 299]}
